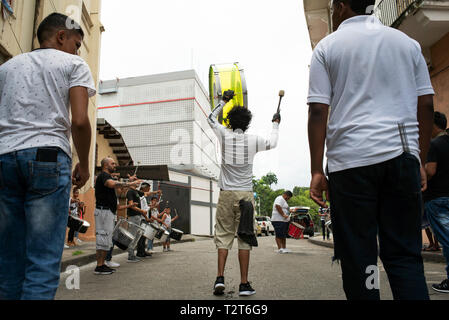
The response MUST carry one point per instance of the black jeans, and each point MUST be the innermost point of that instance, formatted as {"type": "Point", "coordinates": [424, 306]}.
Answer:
{"type": "Point", "coordinates": [71, 235]}
{"type": "Point", "coordinates": [381, 200]}
{"type": "Point", "coordinates": [323, 227]}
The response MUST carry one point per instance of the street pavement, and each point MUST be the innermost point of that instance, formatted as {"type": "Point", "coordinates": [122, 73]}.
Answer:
{"type": "Point", "coordinates": [189, 272]}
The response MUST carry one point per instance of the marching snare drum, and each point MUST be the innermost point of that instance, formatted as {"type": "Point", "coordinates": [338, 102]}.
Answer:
{"type": "Point", "coordinates": [122, 238]}
{"type": "Point", "coordinates": [176, 234]}
{"type": "Point", "coordinates": [74, 223]}
{"type": "Point", "coordinates": [295, 230]}
{"type": "Point", "coordinates": [165, 236]}
{"type": "Point", "coordinates": [78, 224]}
{"type": "Point", "coordinates": [151, 230]}
{"type": "Point", "coordinates": [84, 227]}
{"type": "Point", "coordinates": [126, 234]}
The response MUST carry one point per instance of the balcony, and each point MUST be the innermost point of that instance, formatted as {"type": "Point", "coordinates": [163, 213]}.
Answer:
{"type": "Point", "coordinates": [425, 21]}
{"type": "Point", "coordinates": [318, 19]}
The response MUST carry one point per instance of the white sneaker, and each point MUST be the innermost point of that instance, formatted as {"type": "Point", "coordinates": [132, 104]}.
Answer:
{"type": "Point", "coordinates": [66, 246]}
{"type": "Point", "coordinates": [79, 241]}
{"type": "Point", "coordinates": [287, 250]}
{"type": "Point", "coordinates": [282, 251]}
{"type": "Point", "coordinates": [112, 264]}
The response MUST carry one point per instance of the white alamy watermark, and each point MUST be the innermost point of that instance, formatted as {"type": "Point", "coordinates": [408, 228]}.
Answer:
{"type": "Point", "coordinates": [203, 148]}
{"type": "Point", "coordinates": [72, 282]}
{"type": "Point", "coordinates": [372, 281]}
{"type": "Point", "coordinates": [74, 14]}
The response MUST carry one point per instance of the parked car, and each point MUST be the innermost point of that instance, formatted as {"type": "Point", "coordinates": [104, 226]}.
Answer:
{"type": "Point", "coordinates": [302, 216]}
{"type": "Point", "coordinates": [266, 225]}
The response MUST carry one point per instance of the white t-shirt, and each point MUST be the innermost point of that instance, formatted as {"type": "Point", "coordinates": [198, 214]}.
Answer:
{"type": "Point", "coordinates": [371, 76]}
{"type": "Point", "coordinates": [237, 153]}
{"type": "Point", "coordinates": [275, 215]}
{"type": "Point", "coordinates": [34, 99]}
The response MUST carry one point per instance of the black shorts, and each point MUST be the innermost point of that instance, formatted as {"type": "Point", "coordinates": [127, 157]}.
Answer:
{"type": "Point", "coordinates": [281, 229]}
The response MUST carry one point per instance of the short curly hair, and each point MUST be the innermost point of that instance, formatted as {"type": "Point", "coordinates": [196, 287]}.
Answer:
{"type": "Point", "coordinates": [440, 120]}
{"type": "Point", "coordinates": [239, 118]}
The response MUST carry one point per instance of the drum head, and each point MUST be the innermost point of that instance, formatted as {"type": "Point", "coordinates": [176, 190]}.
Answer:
{"type": "Point", "coordinates": [155, 226]}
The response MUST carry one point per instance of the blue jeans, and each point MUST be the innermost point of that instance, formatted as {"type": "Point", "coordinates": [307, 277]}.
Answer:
{"type": "Point", "coordinates": [34, 202]}
{"type": "Point", "coordinates": [150, 245]}
{"type": "Point", "coordinates": [438, 213]}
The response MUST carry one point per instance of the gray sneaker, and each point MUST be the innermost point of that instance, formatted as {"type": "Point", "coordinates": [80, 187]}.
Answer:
{"type": "Point", "coordinates": [133, 260]}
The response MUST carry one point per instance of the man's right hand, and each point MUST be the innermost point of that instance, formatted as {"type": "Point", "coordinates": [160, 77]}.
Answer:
{"type": "Point", "coordinates": [277, 118]}
{"type": "Point", "coordinates": [80, 176]}
{"type": "Point", "coordinates": [228, 95]}
{"type": "Point", "coordinates": [319, 185]}
{"type": "Point", "coordinates": [136, 183]}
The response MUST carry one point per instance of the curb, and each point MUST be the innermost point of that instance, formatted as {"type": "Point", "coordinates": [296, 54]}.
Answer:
{"type": "Point", "coordinates": [86, 259]}
{"type": "Point", "coordinates": [427, 256]}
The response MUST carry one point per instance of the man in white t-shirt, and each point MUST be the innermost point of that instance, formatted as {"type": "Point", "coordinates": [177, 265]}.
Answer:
{"type": "Point", "coordinates": [238, 150]}
{"type": "Point", "coordinates": [370, 93]}
{"type": "Point", "coordinates": [38, 92]}
{"type": "Point", "coordinates": [280, 218]}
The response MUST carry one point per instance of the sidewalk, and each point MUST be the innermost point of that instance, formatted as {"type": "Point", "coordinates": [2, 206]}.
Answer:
{"type": "Point", "coordinates": [427, 256]}
{"type": "Point", "coordinates": [85, 252]}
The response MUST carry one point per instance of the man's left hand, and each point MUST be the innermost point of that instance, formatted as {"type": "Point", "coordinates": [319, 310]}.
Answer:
{"type": "Point", "coordinates": [319, 185]}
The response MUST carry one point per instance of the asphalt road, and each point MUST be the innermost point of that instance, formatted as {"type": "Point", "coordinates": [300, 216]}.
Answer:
{"type": "Point", "coordinates": [189, 272]}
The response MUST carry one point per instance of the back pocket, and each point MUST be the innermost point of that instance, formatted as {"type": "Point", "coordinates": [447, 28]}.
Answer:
{"type": "Point", "coordinates": [44, 177]}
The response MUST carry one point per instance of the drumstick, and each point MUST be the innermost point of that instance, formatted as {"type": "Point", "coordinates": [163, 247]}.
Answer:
{"type": "Point", "coordinates": [281, 95]}
{"type": "Point", "coordinates": [135, 172]}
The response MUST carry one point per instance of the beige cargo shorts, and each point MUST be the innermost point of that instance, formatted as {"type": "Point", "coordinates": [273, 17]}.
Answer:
{"type": "Point", "coordinates": [227, 219]}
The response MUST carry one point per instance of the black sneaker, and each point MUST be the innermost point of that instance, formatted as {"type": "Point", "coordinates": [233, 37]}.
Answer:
{"type": "Point", "coordinates": [110, 269]}
{"type": "Point", "coordinates": [146, 255]}
{"type": "Point", "coordinates": [442, 287]}
{"type": "Point", "coordinates": [103, 270]}
{"type": "Point", "coordinates": [219, 286]}
{"type": "Point", "coordinates": [245, 289]}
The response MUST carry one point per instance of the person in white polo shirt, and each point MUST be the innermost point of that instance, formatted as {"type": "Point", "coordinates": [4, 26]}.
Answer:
{"type": "Point", "coordinates": [280, 218]}
{"type": "Point", "coordinates": [371, 100]}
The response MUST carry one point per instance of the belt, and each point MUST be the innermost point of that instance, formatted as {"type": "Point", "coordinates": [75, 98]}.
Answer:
{"type": "Point", "coordinates": [102, 208]}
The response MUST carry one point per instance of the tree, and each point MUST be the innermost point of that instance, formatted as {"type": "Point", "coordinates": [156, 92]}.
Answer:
{"type": "Point", "coordinates": [270, 179]}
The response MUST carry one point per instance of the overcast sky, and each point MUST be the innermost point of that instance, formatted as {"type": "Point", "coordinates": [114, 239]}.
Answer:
{"type": "Point", "coordinates": [269, 38]}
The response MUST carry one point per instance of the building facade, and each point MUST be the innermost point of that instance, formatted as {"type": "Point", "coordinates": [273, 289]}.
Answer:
{"type": "Point", "coordinates": [18, 28]}
{"type": "Point", "coordinates": [163, 120]}
{"type": "Point", "coordinates": [425, 21]}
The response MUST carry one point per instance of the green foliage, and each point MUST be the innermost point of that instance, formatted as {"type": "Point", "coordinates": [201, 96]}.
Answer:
{"type": "Point", "coordinates": [77, 253]}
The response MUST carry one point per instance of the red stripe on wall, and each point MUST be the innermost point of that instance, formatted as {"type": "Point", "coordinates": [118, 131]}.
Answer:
{"type": "Point", "coordinates": [144, 103]}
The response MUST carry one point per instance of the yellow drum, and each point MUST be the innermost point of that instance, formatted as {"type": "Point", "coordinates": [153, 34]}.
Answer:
{"type": "Point", "coordinates": [227, 77]}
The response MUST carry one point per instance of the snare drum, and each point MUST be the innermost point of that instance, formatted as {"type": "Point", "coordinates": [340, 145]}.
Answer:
{"type": "Point", "coordinates": [74, 223]}
{"type": "Point", "coordinates": [78, 224]}
{"type": "Point", "coordinates": [126, 234]}
{"type": "Point", "coordinates": [84, 227]}
{"type": "Point", "coordinates": [151, 230]}
{"type": "Point", "coordinates": [176, 234]}
{"type": "Point", "coordinates": [295, 230]}
{"type": "Point", "coordinates": [165, 236]}
{"type": "Point", "coordinates": [122, 238]}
